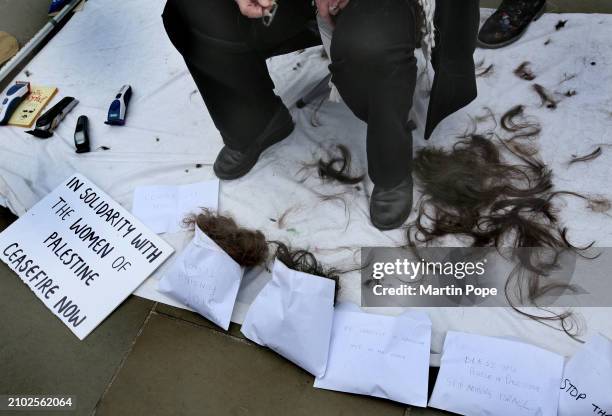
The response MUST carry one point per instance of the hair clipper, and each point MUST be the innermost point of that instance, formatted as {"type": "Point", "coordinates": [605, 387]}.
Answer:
{"type": "Point", "coordinates": [47, 123]}
{"type": "Point", "coordinates": [118, 108]}
{"type": "Point", "coordinates": [81, 135]}
{"type": "Point", "coordinates": [12, 98]}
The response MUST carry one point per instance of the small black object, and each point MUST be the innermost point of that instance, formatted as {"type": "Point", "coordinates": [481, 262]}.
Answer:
{"type": "Point", "coordinates": [81, 135]}
{"type": "Point", "coordinates": [560, 24]}
{"type": "Point", "coordinates": [49, 121]}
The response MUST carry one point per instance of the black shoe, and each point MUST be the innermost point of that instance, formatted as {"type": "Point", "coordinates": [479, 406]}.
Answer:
{"type": "Point", "coordinates": [390, 207]}
{"type": "Point", "coordinates": [509, 22]}
{"type": "Point", "coordinates": [232, 164]}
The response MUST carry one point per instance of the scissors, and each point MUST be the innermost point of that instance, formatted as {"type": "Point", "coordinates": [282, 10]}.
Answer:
{"type": "Point", "coordinates": [269, 15]}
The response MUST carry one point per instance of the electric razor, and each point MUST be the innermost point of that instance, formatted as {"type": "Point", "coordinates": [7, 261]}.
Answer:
{"type": "Point", "coordinates": [13, 97]}
{"type": "Point", "coordinates": [47, 123]}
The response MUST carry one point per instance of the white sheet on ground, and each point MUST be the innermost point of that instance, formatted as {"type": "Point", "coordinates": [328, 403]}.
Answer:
{"type": "Point", "coordinates": [114, 42]}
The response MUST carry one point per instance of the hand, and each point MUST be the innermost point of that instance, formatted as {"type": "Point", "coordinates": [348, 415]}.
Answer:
{"type": "Point", "coordinates": [329, 8]}
{"type": "Point", "coordinates": [254, 8]}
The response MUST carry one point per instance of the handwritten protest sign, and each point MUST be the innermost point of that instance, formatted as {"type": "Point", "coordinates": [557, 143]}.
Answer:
{"type": "Point", "coordinates": [162, 208]}
{"type": "Point", "coordinates": [378, 355]}
{"type": "Point", "coordinates": [81, 253]}
{"type": "Point", "coordinates": [482, 375]}
{"type": "Point", "coordinates": [586, 388]}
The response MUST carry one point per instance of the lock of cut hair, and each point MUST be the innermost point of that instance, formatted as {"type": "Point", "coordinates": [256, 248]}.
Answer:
{"type": "Point", "coordinates": [338, 167]}
{"type": "Point", "coordinates": [306, 262]}
{"type": "Point", "coordinates": [247, 247]}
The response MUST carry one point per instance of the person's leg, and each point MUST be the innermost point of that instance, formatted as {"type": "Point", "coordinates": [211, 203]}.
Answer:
{"type": "Point", "coordinates": [225, 53]}
{"type": "Point", "coordinates": [374, 69]}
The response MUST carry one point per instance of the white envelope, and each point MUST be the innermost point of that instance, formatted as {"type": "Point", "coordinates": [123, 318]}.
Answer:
{"type": "Point", "coordinates": [482, 375]}
{"type": "Point", "coordinates": [586, 388]}
{"type": "Point", "coordinates": [293, 315]}
{"type": "Point", "coordinates": [378, 355]}
{"type": "Point", "coordinates": [205, 278]}
{"type": "Point", "coordinates": [162, 208]}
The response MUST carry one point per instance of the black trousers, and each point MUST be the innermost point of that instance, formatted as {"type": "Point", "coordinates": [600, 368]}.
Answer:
{"type": "Point", "coordinates": [373, 67]}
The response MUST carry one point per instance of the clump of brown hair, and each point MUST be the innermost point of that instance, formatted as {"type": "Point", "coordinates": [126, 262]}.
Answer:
{"type": "Point", "coordinates": [247, 247]}
{"type": "Point", "coordinates": [306, 262]}
{"type": "Point", "coordinates": [471, 191]}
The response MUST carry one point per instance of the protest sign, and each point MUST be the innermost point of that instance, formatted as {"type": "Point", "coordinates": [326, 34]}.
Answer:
{"type": "Point", "coordinates": [162, 208]}
{"type": "Point", "coordinates": [378, 355]}
{"type": "Point", "coordinates": [585, 388]}
{"type": "Point", "coordinates": [81, 253]}
{"type": "Point", "coordinates": [482, 375]}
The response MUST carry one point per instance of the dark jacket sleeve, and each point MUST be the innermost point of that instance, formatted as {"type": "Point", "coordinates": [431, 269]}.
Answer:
{"type": "Point", "coordinates": [454, 84]}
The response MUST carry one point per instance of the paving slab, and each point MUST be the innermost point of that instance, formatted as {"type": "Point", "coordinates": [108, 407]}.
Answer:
{"type": "Point", "coordinates": [180, 368]}
{"type": "Point", "coordinates": [39, 354]}
{"type": "Point", "coordinates": [197, 319]}
{"type": "Point", "coordinates": [417, 411]}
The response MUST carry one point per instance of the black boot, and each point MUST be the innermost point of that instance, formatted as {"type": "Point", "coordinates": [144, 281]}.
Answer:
{"type": "Point", "coordinates": [509, 22]}
{"type": "Point", "coordinates": [390, 207]}
{"type": "Point", "coordinates": [232, 164]}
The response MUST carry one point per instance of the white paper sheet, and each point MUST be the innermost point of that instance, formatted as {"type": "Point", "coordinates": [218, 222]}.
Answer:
{"type": "Point", "coordinates": [205, 278]}
{"type": "Point", "coordinates": [293, 316]}
{"type": "Point", "coordinates": [492, 376]}
{"type": "Point", "coordinates": [163, 208]}
{"type": "Point", "coordinates": [586, 388]}
{"type": "Point", "coordinates": [378, 355]}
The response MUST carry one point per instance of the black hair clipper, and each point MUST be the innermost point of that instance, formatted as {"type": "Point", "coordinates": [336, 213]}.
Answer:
{"type": "Point", "coordinates": [49, 121]}
{"type": "Point", "coordinates": [81, 135]}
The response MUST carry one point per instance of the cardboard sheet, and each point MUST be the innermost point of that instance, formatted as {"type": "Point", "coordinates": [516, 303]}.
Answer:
{"type": "Point", "coordinates": [81, 253]}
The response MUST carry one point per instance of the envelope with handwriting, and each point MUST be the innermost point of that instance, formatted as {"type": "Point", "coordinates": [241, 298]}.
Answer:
{"type": "Point", "coordinates": [205, 278]}
{"type": "Point", "coordinates": [378, 355]}
{"type": "Point", "coordinates": [292, 315]}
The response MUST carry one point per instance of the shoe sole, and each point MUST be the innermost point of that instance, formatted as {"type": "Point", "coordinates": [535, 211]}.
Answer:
{"type": "Point", "coordinates": [484, 45]}
{"type": "Point", "coordinates": [279, 136]}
